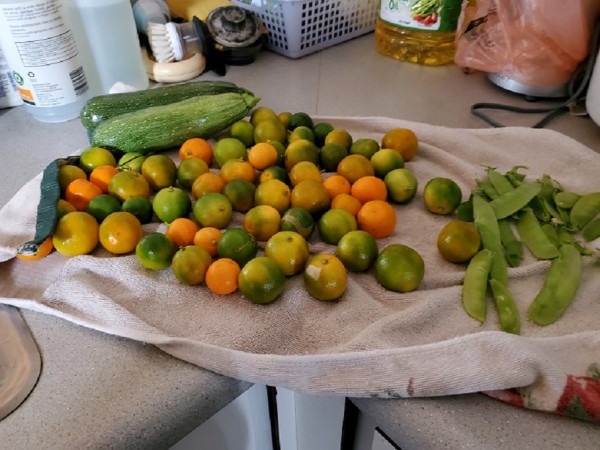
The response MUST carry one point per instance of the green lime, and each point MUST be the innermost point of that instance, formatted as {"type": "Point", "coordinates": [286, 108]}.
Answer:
{"type": "Point", "coordinates": [68, 173]}
{"type": "Point", "coordinates": [386, 160]}
{"type": "Point", "coordinates": [280, 147]}
{"type": "Point", "coordinates": [190, 263]}
{"type": "Point", "coordinates": [334, 224]}
{"type": "Point", "coordinates": [270, 130]}
{"type": "Point", "coordinates": [94, 157]}
{"type": "Point", "coordinates": [140, 207]}
{"type": "Point", "coordinates": [160, 171]}
{"type": "Point", "coordinates": [399, 268]}
{"type": "Point", "coordinates": [364, 146]}
{"type": "Point", "coordinates": [261, 280]}
{"type": "Point", "coordinates": [298, 220]}
{"type": "Point", "coordinates": [240, 193]}
{"type": "Point", "coordinates": [188, 170]}
{"type": "Point", "coordinates": [401, 185]}
{"type": "Point", "coordinates": [331, 155]}
{"type": "Point", "coordinates": [213, 209]}
{"type": "Point", "coordinates": [229, 148]}
{"type": "Point", "coordinates": [300, 150]}
{"type": "Point", "coordinates": [274, 172]}
{"type": "Point", "coordinates": [171, 203]}
{"type": "Point", "coordinates": [102, 205]}
{"type": "Point", "coordinates": [442, 196]}
{"type": "Point", "coordinates": [302, 132]}
{"type": "Point", "coordinates": [244, 131]}
{"type": "Point", "coordinates": [321, 130]}
{"type": "Point", "coordinates": [237, 244]}
{"type": "Point", "coordinates": [357, 250]}
{"type": "Point", "coordinates": [155, 251]}
{"type": "Point", "coordinates": [339, 136]}
{"type": "Point", "coordinates": [300, 119]}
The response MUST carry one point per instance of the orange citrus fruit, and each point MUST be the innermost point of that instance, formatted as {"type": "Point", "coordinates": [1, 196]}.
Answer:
{"type": "Point", "coordinates": [102, 175]}
{"type": "Point", "coordinates": [197, 148]}
{"type": "Point", "coordinates": [305, 170]}
{"type": "Point", "coordinates": [369, 188]}
{"type": "Point", "coordinates": [222, 276]}
{"type": "Point", "coordinates": [310, 195]}
{"type": "Point", "coordinates": [274, 193]}
{"type": "Point", "coordinates": [262, 222]}
{"type": "Point", "coordinates": [68, 173]}
{"type": "Point", "coordinates": [182, 231]}
{"type": "Point", "coordinates": [403, 140]}
{"type": "Point", "coordinates": [233, 169]}
{"type": "Point", "coordinates": [207, 182]}
{"type": "Point", "coordinates": [335, 185]}
{"type": "Point", "coordinates": [208, 238]}
{"type": "Point", "coordinates": [347, 202]}
{"type": "Point", "coordinates": [79, 192]}
{"type": "Point", "coordinates": [353, 167]}
{"type": "Point", "coordinates": [262, 155]}
{"type": "Point", "coordinates": [127, 184]}
{"type": "Point", "coordinates": [378, 218]}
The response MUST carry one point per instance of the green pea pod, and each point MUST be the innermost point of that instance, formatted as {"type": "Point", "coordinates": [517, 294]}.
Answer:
{"type": "Point", "coordinates": [566, 200]}
{"type": "Point", "coordinates": [551, 233]}
{"type": "Point", "coordinates": [500, 182]}
{"type": "Point", "coordinates": [514, 176]}
{"type": "Point", "coordinates": [533, 236]}
{"type": "Point", "coordinates": [475, 285]}
{"type": "Point", "coordinates": [512, 201]}
{"type": "Point", "coordinates": [513, 248]}
{"type": "Point", "coordinates": [586, 208]}
{"type": "Point", "coordinates": [487, 189]}
{"type": "Point", "coordinates": [592, 230]}
{"type": "Point", "coordinates": [508, 314]}
{"type": "Point", "coordinates": [559, 288]}
{"type": "Point", "coordinates": [487, 225]}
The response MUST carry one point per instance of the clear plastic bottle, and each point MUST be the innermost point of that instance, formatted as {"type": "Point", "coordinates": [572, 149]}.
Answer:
{"type": "Point", "coordinates": [106, 33]}
{"type": "Point", "coordinates": [41, 51]}
{"type": "Point", "coordinates": [418, 31]}
{"type": "Point", "coordinates": [9, 95]}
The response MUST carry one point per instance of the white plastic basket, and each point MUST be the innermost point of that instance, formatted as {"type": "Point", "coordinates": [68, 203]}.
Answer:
{"type": "Point", "coordinates": [299, 27]}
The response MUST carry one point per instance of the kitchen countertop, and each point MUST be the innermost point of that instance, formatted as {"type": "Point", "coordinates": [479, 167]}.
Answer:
{"type": "Point", "coordinates": [102, 391]}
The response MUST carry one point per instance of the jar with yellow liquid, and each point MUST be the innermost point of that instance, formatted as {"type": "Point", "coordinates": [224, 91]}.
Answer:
{"type": "Point", "coordinates": [418, 31]}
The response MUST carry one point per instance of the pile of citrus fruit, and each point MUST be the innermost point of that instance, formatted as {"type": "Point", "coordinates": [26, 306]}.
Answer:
{"type": "Point", "coordinates": [241, 210]}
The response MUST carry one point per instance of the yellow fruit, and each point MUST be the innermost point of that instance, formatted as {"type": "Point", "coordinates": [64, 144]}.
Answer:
{"type": "Point", "coordinates": [458, 241]}
{"type": "Point", "coordinates": [274, 193]}
{"type": "Point", "coordinates": [233, 169]}
{"type": "Point", "coordinates": [94, 157]}
{"type": "Point", "coordinates": [339, 136]}
{"type": "Point", "coordinates": [131, 161]}
{"type": "Point", "coordinates": [188, 170]}
{"type": "Point", "coordinates": [270, 130]}
{"type": "Point", "coordinates": [325, 277]}
{"type": "Point", "coordinates": [160, 171]}
{"type": "Point", "coordinates": [401, 185]}
{"type": "Point", "coordinates": [310, 195]}
{"type": "Point", "coordinates": [353, 167]}
{"type": "Point", "coordinates": [171, 203]}
{"type": "Point", "coordinates": [301, 150]}
{"type": "Point", "coordinates": [229, 148]}
{"type": "Point", "coordinates": [261, 113]}
{"type": "Point", "coordinates": [129, 184]}
{"type": "Point", "coordinates": [261, 280]}
{"type": "Point", "coordinates": [386, 160]}
{"type": "Point", "coordinates": [305, 170]}
{"type": "Point", "coordinates": [68, 173]}
{"type": "Point", "coordinates": [120, 232]}
{"type": "Point", "coordinates": [289, 249]}
{"type": "Point", "coordinates": [76, 233]}
{"type": "Point", "coordinates": [262, 222]}
{"type": "Point", "coordinates": [399, 268]}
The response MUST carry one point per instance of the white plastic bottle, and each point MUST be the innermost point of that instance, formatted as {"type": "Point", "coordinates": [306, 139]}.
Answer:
{"type": "Point", "coordinates": [9, 95]}
{"type": "Point", "coordinates": [105, 31]}
{"type": "Point", "coordinates": [41, 51]}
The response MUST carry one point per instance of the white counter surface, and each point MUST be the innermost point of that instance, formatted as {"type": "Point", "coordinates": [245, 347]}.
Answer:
{"type": "Point", "coordinates": [101, 391]}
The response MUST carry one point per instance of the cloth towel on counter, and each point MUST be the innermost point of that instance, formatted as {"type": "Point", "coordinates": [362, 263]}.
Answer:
{"type": "Point", "coordinates": [372, 342]}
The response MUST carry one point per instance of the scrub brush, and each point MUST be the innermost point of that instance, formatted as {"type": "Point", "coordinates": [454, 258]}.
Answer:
{"type": "Point", "coordinates": [173, 41]}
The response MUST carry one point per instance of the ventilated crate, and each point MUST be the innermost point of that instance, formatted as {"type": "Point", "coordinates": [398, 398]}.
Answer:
{"type": "Point", "coordinates": [299, 27]}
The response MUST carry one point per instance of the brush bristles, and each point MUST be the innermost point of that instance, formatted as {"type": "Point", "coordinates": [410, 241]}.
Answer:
{"type": "Point", "coordinates": [161, 43]}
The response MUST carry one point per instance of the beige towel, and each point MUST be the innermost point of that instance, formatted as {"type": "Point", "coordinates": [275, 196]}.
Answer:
{"type": "Point", "coordinates": [372, 342]}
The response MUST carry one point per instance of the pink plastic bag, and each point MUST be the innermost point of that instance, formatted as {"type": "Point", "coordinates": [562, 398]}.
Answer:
{"type": "Point", "coordinates": [534, 42]}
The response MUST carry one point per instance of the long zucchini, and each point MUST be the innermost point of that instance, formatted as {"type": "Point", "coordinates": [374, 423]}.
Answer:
{"type": "Point", "coordinates": [163, 127]}
{"type": "Point", "coordinates": [103, 107]}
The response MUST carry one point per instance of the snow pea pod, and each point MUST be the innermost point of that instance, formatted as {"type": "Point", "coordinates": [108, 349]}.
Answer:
{"type": "Point", "coordinates": [475, 285]}
{"type": "Point", "coordinates": [500, 182]}
{"type": "Point", "coordinates": [513, 248]}
{"type": "Point", "coordinates": [592, 230]}
{"type": "Point", "coordinates": [560, 286]}
{"type": "Point", "coordinates": [512, 201]}
{"type": "Point", "coordinates": [533, 236]}
{"type": "Point", "coordinates": [508, 314]}
{"type": "Point", "coordinates": [565, 199]}
{"type": "Point", "coordinates": [586, 208]}
{"type": "Point", "coordinates": [487, 225]}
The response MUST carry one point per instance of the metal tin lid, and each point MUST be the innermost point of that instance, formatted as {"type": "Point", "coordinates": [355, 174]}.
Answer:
{"type": "Point", "coordinates": [232, 26]}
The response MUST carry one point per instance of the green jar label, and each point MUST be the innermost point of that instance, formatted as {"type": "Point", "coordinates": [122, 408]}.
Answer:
{"type": "Point", "coordinates": [425, 15]}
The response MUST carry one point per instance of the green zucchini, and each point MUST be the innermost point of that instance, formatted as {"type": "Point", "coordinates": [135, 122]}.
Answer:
{"type": "Point", "coordinates": [158, 128]}
{"type": "Point", "coordinates": [103, 107]}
